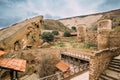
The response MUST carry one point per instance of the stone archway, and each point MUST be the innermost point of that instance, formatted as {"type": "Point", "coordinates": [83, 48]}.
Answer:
{"type": "Point", "coordinates": [17, 46]}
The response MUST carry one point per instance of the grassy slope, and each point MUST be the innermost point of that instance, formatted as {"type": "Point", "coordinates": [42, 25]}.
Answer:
{"type": "Point", "coordinates": [54, 25]}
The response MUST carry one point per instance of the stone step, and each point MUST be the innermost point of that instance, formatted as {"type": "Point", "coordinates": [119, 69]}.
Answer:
{"type": "Point", "coordinates": [112, 74]}
{"type": "Point", "coordinates": [116, 60]}
{"type": "Point", "coordinates": [114, 63]}
{"type": "Point", "coordinates": [114, 69]}
{"type": "Point", "coordinates": [102, 78]}
{"type": "Point", "coordinates": [117, 57]}
{"type": "Point", "coordinates": [114, 66]}
{"type": "Point", "coordinates": [106, 77]}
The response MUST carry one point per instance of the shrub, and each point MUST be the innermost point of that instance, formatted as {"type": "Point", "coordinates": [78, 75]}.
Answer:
{"type": "Point", "coordinates": [74, 28]}
{"type": "Point", "coordinates": [93, 28]}
{"type": "Point", "coordinates": [89, 44]}
{"type": "Point", "coordinates": [55, 32]}
{"type": "Point", "coordinates": [67, 34]}
{"type": "Point", "coordinates": [117, 29]}
{"type": "Point", "coordinates": [47, 36]}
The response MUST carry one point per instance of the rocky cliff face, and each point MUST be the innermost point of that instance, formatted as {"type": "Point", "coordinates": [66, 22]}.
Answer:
{"type": "Point", "coordinates": [21, 35]}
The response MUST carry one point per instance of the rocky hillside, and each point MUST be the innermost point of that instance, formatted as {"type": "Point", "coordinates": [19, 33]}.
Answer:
{"type": "Point", "coordinates": [89, 20]}
{"type": "Point", "coordinates": [21, 35]}
{"type": "Point", "coordinates": [50, 24]}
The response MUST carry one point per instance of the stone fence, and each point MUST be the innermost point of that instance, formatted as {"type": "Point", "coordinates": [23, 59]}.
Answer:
{"type": "Point", "coordinates": [100, 60]}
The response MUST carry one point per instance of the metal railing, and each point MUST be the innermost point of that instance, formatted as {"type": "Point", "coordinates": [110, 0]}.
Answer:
{"type": "Point", "coordinates": [79, 56]}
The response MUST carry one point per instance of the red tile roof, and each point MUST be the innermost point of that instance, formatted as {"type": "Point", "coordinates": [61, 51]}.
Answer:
{"type": "Point", "coordinates": [15, 64]}
{"type": "Point", "coordinates": [1, 53]}
{"type": "Point", "coordinates": [62, 66]}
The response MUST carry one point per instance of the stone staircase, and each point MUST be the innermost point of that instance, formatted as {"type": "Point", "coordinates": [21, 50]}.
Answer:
{"type": "Point", "coordinates": [113, 70]}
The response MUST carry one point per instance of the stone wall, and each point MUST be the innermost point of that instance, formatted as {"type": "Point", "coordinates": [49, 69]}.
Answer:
{"type": "Point", "coordinates": [102, 39]}
{"type": "Point", "coordinates": [100, 60]}
{"type": "Point", "coordinates": [91, 36]}
{"type": "Point", "coordinates": [21, 35]}
{"type": "Point", "coordinates": [108, 39]}
{"type": "Point", "coordinates": [105, 24]}
{"type": "Point", "coordinates": [114, 39]}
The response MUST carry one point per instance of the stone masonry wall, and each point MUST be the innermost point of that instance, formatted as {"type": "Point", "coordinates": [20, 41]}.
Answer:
{"type": "Point", "coordinates": [105, 24]}
{"type": "Point", "coordinates": [108, 39]}
{"type": "Point", "coordinates": [114, 39]}
{"type": "Point", "coordinates": [100, 61]}
{"type": "Point", "coordinates": [91, 36]}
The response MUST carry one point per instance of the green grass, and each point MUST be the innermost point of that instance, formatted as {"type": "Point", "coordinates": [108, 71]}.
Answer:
{"type": "Point", "coordinates": [117, 29]}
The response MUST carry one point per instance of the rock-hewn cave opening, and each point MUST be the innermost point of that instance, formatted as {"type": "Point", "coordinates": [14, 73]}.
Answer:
{"type": "Point", "coordinates": [17, 45]}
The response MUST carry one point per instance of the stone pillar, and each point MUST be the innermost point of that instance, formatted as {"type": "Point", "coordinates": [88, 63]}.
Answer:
{"type": "Point", "coordinates": [104, 29]}
{"type": "Point", "coordinates": [103, 39]}
{"type": "Point", "coordinates": [81, 32]}
{"type": "Point", "coordinates": [105, 24]}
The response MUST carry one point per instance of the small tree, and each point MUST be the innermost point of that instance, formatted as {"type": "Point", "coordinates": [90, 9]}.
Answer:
{"type": "Point", "coordinates": [46, 64]}
{"type": "Point", "coordinates": [55, 32]}
{"type": "Point", "coordinates": [67, 34]}
{"type": "Point", "coordinates": [47, 36]}
{"type": "Point", "coordinates": [74, 28]}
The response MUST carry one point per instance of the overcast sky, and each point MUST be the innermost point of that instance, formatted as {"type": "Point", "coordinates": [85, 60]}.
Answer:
{"type": "Point", "coordinates": [12, 11]}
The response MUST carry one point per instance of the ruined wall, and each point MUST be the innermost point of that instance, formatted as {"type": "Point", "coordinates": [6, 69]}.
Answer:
{"type": "Point", "coordinates": [100, 61]}
{"type": "Point", "coordinates": [108, 39]}
{"type": "Point", "coordinates": [114, 39]}
{"type": "Point", "coordinates": [81, 32]}
{"type": "Point", "coordinates": [21, 35]}
{"type": "Point", "coordinates": [102, 39]}
{"type": "Point", "coordinates": [86, 35]}
{"type": "Point", "coordinates": [91, 36]}
{"type": "Point", "coordinates": [105, 24]}
{"type": "Point", "coordinates": [104, 28]}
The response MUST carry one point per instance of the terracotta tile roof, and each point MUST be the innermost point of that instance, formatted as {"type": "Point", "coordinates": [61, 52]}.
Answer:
{"type": "Point", "coordinates": [1, 53]}
{"type": "Point", "coordinates": [62, 66]}
{"type": "Point", "coordinates": [15, 64]}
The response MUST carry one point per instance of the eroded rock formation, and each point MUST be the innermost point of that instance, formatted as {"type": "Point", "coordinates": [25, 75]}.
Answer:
{"type": "Point", "coordinates": [22, 35]}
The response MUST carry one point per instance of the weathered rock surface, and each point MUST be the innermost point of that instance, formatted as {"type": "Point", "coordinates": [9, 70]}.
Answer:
{"type": "Point", "coordinates": [22, 35]}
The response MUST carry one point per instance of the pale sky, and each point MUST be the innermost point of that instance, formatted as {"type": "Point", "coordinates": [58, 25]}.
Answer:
{"type": "Point", "coordinates": [12, 11]}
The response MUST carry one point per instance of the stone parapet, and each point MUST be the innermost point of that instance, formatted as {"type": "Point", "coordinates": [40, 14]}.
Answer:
{"type": "Point", "coordinates": [100, 60]}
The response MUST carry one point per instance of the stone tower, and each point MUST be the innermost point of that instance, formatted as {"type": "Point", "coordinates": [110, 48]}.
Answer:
{"type": "Point", "coordinates": [104, 28]}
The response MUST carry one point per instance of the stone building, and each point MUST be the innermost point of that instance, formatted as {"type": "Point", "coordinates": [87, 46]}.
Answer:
{"type": "Point", "coordinates": [21, 35]}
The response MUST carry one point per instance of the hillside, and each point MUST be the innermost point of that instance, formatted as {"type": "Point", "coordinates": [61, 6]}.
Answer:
{"type": "Point", "coordinates": [50, 24]}
{"type": "Point", "coordinates": [90, 19]}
